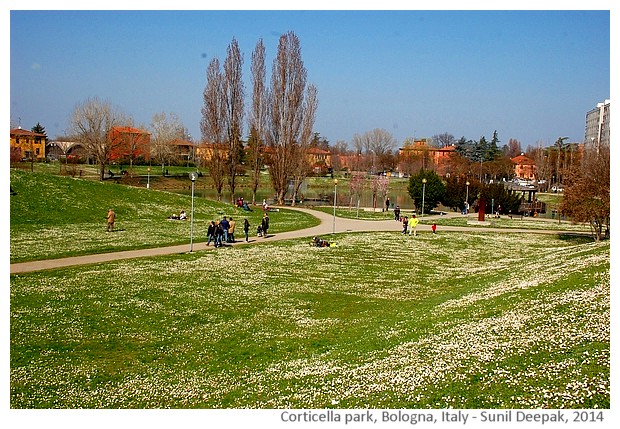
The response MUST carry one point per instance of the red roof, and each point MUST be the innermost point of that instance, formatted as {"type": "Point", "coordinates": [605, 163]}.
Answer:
{"type": "Point", "coordinates": [20, 132]}
{"type": "Point", "coordinates": [523, 160]}
{"type": "Point", "coordinates": [129, 130]}
{"type": "Point", "coordinates": [317, 151]}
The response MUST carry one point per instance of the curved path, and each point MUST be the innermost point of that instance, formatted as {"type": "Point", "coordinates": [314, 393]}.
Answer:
{"type": "Point", "coordinates": [327, 226]}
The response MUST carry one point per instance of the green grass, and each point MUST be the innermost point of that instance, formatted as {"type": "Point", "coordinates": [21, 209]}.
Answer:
{"type": "Point", "coordinates": [453, 320]}
{"type": "Point", "coordinates": [56, 216]}
{"type": "Point", "coordinates": [353, 213]}
{"type": "Point", "coordinates": [464, 320]}
{"type": "Point", "coordinates": [505, 222]}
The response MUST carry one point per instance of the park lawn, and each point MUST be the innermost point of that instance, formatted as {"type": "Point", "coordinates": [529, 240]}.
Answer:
{"type": "Point", "coordinates": [56, 216]}
{"type": "Point", "coordinates": [463, 320]}
{"type": "Point", "coordinates": [354, 213]}
{"type": "Point", "coordinates": [504, 221]}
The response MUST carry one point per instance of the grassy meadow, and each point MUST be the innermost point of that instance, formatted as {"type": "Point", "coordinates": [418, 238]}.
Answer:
{"type": "Point", "coordinates": [380, 320]}
{"type": "Point", "coordinates": [56, 216]}
{"type": "Point", "coordinates": [464, 320]}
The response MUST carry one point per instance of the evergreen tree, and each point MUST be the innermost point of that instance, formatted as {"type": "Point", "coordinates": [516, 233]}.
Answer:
{"type": "Point", "coordinates": [493, 150]}
{"type": "Point", "coordinates": [457, 191]}
{"type": "Point", "coordinates": [496, 195]}
{"type": "Point", "coordinates": [432, 192]}
{"type": "Point", "coordinates": [464, 148]}
{"type": "Point", "coordinates": [481, 149]}
{"type": "Point", "coordinates": [39, 129]}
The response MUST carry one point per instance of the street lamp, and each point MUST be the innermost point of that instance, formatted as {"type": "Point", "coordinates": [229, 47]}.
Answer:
{"type": "Point", "coordinates": [467, 198]}
{"type": "Point", "coordinates": [335, 185]}
{"type": "Point", "coordinates": [192, 176]}
{"type": "Point", "coordinates": [148, 178]}
{"type": "Point", "coordinates": [423, 192]}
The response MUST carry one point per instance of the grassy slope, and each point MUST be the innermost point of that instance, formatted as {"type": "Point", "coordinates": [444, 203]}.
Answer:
{"type": "Point", "coordinates": [382, 321]}
{"type": "Point", "coordinates": [54, 216]}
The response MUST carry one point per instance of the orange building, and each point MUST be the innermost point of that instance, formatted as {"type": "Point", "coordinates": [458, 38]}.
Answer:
{"type": "Point", "coordinates": [31, 145]}
{"type": "Point", "coordinates": [420, 155]}
{"type": "Point", "coordinates": [184, 150]}
{"type": "Point", "coordinates": [525, 167]}
{"type": "Point", "coordinates": [320, 159]}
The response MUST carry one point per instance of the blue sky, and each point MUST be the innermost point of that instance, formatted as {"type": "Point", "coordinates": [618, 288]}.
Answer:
{"type": "Point", "coordinates": [530, 75]}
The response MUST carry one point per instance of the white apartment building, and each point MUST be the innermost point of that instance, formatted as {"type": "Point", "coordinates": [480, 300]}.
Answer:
{"type": "Point", "coordinates": [597, 125]}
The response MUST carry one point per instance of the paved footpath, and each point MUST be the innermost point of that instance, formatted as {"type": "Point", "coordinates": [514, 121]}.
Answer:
{"type": "Point", "coordinates": [327, 226]}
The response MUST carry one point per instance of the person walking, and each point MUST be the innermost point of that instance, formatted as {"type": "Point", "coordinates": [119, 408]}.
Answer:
{"type": "Point", "coordinates": [265, 224]}
{"type": "Point", "coordinates": [246, 229]}
{"type": "Point", "coordinates": [434, 228]}
{"type": "Point", "coordinates": [397, 213]}
{"type": "Point", "coordinates": [211, 233]}
{"type": "Point", "coordinates": [225, 225]}
{"type": "Point", "coordinates": [219, 234]}
{"type": "Point", "coordinates": [413, 223]}
{"type": "Point", "coordinates": [231, 231]}
{"type": "Point", "coordinates": [387, 204]}
{"type": "Point", "coordinates": [111, 220]}
{"type": "Point", "coordinates": [405, 224]}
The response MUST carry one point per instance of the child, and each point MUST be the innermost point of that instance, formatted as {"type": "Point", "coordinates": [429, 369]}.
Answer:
{"type": "Point", "coordinates": [434, 228]}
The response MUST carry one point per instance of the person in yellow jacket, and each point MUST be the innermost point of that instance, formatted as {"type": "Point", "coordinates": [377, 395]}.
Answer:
{"type": "Point", "coordinates": [413, 223]}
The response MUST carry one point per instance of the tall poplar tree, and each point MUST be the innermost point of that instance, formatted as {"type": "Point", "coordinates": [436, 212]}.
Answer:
{"type": "Point", "coordinates": [212, 126]}
{"type": "Point", "coordinates": [258, 116]}
{"type": "Point", "coordinates": [287, 112]}
{"type": "Point", "coordinates": [233, 95]}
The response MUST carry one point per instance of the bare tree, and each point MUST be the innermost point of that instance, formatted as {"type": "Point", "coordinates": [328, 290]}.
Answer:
{"type": "Point", "coordinates": [258, 116]}
{"type": "Point", "coordinates": [232, 86]}
{"type": "Point", "coordinates": [91, 122]}
{"type": "Point", "coordinates": [443, 140]}
{"type": "Point", "coordinates": [212, 126]}
{"type": "Point", "coordinates": [301, 166]}
{"type": "Point", "coordinates": [165, 129]}
{"type": "Point", "coordinates": [513, 148]}
{"type": "Point", "coordinates": [379, 142]}
{"type": "Point", "coordinates": [287, 111]}
{"type": "Point", "coordinates": [544, 165]}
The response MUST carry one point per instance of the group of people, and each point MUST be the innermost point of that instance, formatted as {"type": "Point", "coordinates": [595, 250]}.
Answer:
{"type": "Point", "coordinates": [222, 231]}
{"type": "Point", "coordinates": [180, 216]}
{"type": "Point", "coordinates": [242, 204]}
{"type": "Point", "coordinates": [410, 226]}
{"type": "Point", "coordinates": [319, 242]}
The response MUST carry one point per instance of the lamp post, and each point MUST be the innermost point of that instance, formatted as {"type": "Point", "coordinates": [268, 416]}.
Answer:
{"type": "Point", "coordinates": [467, 198]}
{"type": "Point", "coordinates": [148, 178]}
{"type": "Point", "coordinates": [335, 186]}
{"type": "Point", "coordinates": [423, 192]}
{"type": "Point", "coordinates": [192, 176]}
